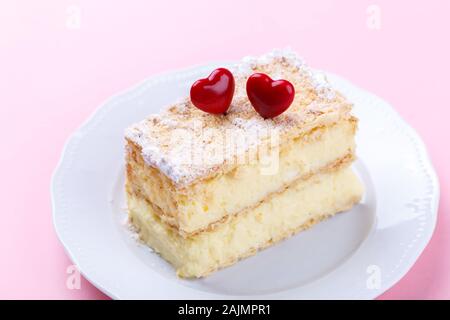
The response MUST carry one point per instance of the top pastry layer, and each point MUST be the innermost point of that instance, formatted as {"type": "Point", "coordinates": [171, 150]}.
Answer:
{"type": "Point", "coordinates": [189, 145]}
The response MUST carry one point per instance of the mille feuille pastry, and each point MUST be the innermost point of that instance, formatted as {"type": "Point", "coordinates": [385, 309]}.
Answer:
{"type": "Point", "coordinates": [206, 190]}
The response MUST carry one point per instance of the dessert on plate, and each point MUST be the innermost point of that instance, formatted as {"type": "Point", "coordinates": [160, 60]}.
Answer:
{"type": "Point", "coordinates": [205, 190]}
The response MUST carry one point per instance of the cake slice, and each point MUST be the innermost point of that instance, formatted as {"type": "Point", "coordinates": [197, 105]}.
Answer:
{"type": "Point", "coordinates": [205, 190]}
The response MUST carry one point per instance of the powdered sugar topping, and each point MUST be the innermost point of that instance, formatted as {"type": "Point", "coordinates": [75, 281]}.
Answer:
{"type": "Point", "coordinates": [187, 144]}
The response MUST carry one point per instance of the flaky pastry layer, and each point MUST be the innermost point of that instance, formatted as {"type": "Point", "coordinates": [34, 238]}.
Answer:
{"type": "Point", "coordinates": [295, 209]}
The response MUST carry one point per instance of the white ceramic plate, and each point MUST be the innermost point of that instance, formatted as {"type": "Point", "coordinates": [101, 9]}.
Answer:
{"type": "Point", "coordinates": [359, 254]}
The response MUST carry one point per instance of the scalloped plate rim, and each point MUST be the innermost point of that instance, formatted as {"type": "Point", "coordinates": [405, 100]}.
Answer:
{"type": "Point", "coordinates": [76, 136]}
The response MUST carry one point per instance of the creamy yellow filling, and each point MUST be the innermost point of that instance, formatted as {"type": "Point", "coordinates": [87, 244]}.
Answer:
{"type": "Point", "coordinates": [283, 214]}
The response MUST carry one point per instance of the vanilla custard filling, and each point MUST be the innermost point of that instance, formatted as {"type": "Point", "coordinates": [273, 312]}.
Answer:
{"type": "Point", "coordinates": [296, 208]}
{"type": "Point", "coordinates": [209, 201]}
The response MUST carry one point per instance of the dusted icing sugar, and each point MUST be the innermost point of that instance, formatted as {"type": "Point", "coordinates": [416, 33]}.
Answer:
{"type": "Point", "coordinates": [187, 144]}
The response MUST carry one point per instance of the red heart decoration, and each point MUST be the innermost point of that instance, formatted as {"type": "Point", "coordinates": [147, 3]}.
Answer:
{"type": "Point", "coordinates": [270, 98]}
{"type": "Point", "coordinates": [214, 93]}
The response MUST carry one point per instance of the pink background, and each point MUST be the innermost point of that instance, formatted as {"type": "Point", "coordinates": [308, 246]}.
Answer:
{"type": "Point", "coordinates": [52, 76]}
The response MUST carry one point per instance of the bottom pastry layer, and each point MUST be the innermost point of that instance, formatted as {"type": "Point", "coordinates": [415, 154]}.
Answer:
{"type": "Point", "coordinates": [297, 208]}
